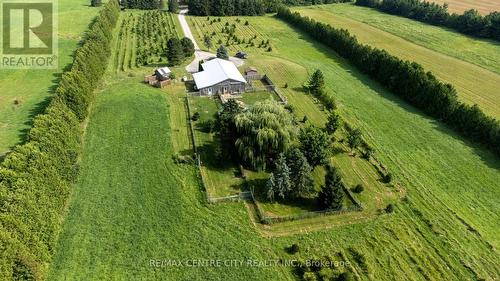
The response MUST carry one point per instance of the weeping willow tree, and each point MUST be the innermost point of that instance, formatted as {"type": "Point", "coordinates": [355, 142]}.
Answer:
{"type": "Point", "coordinates": [265, 130]}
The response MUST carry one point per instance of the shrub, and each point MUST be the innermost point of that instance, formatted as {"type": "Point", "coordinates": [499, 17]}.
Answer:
{"type": "Point", "coordinates": [359, 188]}
{"type": "Point", "coordinates": [388, 177]}
{"type": "Point", "coordinates": [293, 249]}
{"type": "Point", "coordinates": [345, 276]}
{"type": "Point", "coordinates": [195, 116]}
{"type": "Point", "coordinates": [390, 208]}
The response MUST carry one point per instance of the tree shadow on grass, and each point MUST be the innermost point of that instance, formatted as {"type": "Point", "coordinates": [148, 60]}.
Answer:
{"type": "Point", "coordinates": [209, 155]}
{"type": "Point", "coordinates": [259, 187]}
{"type": "Point", "coordinates": [487, 157]}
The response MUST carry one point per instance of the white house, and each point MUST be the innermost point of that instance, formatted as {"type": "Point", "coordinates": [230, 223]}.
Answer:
{"type": "Point", "coordinates": [219, 77]}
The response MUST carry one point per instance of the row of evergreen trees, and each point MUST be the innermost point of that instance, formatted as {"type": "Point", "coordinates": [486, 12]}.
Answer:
{"type": "Point", "coordinates": [246, 7]}
{"type": "Point", "coordinates": [226, 7]}
{"type": "Point", "coordinates": [35, 178]}
{"type": "Point", "coordinates": [470, 22]}
{"type": "Point", "coordinates": [406, 79]}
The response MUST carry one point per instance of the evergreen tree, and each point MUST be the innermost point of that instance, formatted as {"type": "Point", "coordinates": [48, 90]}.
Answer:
{"type": "Point", "coordinates": [187, 47]}
{"type": "Point", "coordinates": [175, 53]}
{"type": "Point", "coordinates": [316, 84]}
{"type": "Point", "coordinates": [300, 174]}
{"type": "Point", "coordinates": [207, 40]}
{"type": "Point", "coordinates": [333, 123]}
{"type": "Point", "coordinates": [226, 127]}
{"type": "Point", "coordinates": [173, 6]}
{"type": "Point", "coordinates": [281, 184]}
{"type": "Point", "coordinates": [314, 143]}
{"type": "Point", "coordinates": [331, 195]}
{"type": "Point", "coordinates": [222, 53]}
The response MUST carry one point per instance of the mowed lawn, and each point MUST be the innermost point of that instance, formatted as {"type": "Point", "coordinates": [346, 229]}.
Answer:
{"type": "Point", "coordinates": [459, 6]}
{"type": "Point", "coordinates": [25, 93]}
{"type": "Point", "coordinates": [446, 229]}
{"type": "Point", "coordinates": [132, 204]}
{"type": "Point", "coordinates": [471, 65]}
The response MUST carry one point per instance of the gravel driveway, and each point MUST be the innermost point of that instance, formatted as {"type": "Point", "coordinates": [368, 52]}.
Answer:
{"type": "Point", "coordinates": [198, 53]}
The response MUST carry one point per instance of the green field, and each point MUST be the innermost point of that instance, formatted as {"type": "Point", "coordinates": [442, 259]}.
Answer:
{"type": "Point", "coordinates": [137, 205]}
{"type": "Point", "coordinates": [447, 226]}
{"type": "Point", "coordinates": [471, 65]}
{"type": "Point", "coordinates": [459, 6]}
{"type": "Point", "coordinates": [25, 93]}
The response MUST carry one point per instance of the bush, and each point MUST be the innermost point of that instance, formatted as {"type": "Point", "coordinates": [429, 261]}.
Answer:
{"type": "Point", "coordinates": [358, 188]}
{"type": "Point", "coordinates": [388, 177]}
{"type": "Point", "coordinates": [195, 116]}
{"type": "Point", "coordinates": [390, 208]}
{"type": "Point", "coordinates": [293, 249]}
{"type": "Point", "coordinates": [345, 276]}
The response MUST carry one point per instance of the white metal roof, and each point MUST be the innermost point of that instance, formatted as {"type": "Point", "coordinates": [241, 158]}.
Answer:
{"type": "Point", "coordinates": [216, 71]}
{"type": "Point", "coordinates": [164, 71]}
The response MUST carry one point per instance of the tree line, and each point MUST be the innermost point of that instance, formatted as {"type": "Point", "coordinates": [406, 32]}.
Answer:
{"type": "Point", "coordinates": [470, 22]}
{"type": "Point", "coordinates": [407, 79]}
{"type": "Point", "coordinates": [226, 7]}
{"type": "Point", "coordinates": [35, 178]}
{"type": "Point", "coordinates": [246, 7]}
{"type": "Point", "coordinates": [141, 4]}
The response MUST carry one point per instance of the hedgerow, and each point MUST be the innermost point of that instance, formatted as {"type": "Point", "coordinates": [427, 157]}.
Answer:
{"type": "Point", "coordinates": [406, 79]}
{"type": "Point", "coordinates": [36, 177]}
{"type": "Point", "coordinates": [247, 7]}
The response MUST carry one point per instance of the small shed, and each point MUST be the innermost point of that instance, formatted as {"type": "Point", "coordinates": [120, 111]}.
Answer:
{"type": "Point", "coordinates": [163, 73]}
{"type": "Point", "coordinates": [251, 73]}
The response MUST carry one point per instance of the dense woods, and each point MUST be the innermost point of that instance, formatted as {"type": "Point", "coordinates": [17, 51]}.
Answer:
{"type": "Point", "coordinates": [470, 22]}
{"type": "Point", "coordinates": [141, 4]}
{"type": "Point", "coordinates": [407, 79]}
{"type": "Point", "coordinates": [35, 178]}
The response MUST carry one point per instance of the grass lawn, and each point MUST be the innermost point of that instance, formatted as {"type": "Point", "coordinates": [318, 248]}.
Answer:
{"type": "Point", "coordinates": [450, 216]}
{"type": "Point", "coordinates": [251, 98]}
{"type": "Point", "coordinates": [221, 175]}
{"type": "Point", "coordinates": [471, 65]}
{"type": "Point", "coordinates": [31, 89]}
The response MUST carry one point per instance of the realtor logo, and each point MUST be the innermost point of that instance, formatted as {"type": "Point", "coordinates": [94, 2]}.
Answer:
{"type": "Point", "coordinates": [29, 34]}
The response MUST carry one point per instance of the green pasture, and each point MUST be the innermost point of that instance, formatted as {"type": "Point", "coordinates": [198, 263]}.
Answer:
{"type": "Point", "coordinates": [449, 216]}
{"type": "Point", "coordinates": [25, 93]}
{"type": "Point", "coordinates": [471, 65]}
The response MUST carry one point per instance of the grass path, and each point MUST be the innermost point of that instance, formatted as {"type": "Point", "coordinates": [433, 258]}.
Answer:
{"type": "Point", "coordinates": [475, 84]}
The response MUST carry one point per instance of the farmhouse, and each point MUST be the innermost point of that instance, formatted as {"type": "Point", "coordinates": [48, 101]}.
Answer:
{"type": "Point", "coordinates": [219, 77]}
